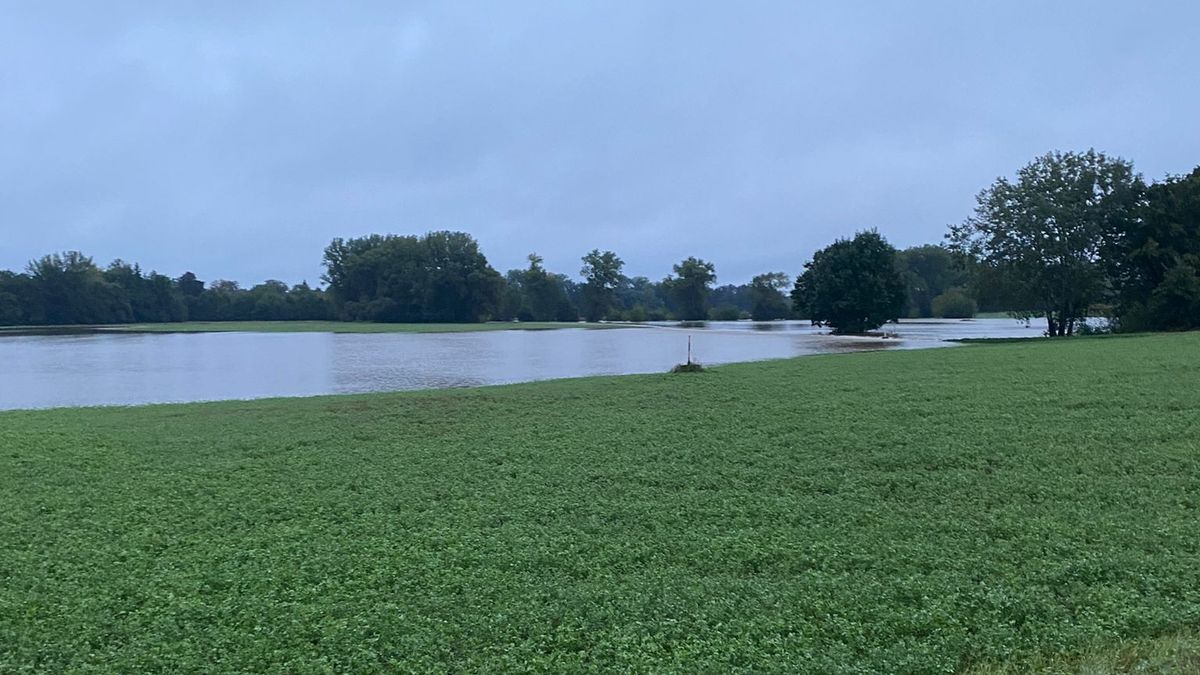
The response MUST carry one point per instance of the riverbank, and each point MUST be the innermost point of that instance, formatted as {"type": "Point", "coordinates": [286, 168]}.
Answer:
{"type": "Point", "coordinates": [892, 511]}
{"type": "Point", "coordinates": [306, 327]}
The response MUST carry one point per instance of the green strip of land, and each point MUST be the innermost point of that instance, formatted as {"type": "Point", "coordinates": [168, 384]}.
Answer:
{"type": "Point", "coordinates": [321, 327]}
{"type": "Point", "coordinates": [351, 326]}
{"type": "Point", "coordinates": [989, 506]}
{"type": "Point", "coordinates": [1171, 654]}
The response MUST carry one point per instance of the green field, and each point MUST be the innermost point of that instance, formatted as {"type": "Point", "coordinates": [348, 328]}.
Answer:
{"type": "Point", "coordinates": [986, 506]}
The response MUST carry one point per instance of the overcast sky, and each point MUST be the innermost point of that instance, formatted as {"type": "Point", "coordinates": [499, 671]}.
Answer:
{"type": "Point", "coordinates": [235, 139]}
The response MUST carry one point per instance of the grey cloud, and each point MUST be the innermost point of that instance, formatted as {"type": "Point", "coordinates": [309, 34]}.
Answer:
{"type": "Point", "coordinates": [237, 139]}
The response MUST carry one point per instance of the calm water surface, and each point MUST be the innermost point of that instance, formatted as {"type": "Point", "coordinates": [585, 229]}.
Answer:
{"type": "Point", "coordinates": [42, 371]}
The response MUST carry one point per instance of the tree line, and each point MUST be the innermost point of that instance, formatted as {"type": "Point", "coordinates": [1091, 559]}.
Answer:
{"type": "Point", "coordinates": [70, 289]}
{"type": "Point", "coordinates": [1074, 234]}
{"type": "Point", "coordinates": [437, 277]}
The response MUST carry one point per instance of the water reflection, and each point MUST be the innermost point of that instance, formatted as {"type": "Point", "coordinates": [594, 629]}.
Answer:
{"type": "Point", "coordinates": [121, 369]}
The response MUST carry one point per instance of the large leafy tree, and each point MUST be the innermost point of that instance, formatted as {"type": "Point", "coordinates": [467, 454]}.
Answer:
{"type": "Point", "coordinates": [1047, 232]}
{"type": "Point", "coordinates": [766, 296]}
{"type": "Point", "coordinates": [461, 285]}
{"type": "Point", "coordinates": [689, 287]}
{"type": "Point", "coordinates": [602, 278]}
{"type": "Point", "coordinates": [535, 294]}
{"type": "Point", "coordinates": [441, 276]}
{"type": "Point", "coordinates": [544, 294]}
{"type": "Point", "coordinates": [851, 285]}
{"type": "Point", "coordinates": [1157, 265]}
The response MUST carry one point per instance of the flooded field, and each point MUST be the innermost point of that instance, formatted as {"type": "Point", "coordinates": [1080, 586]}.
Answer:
{"type": "Point", "coordinates": [81, 369]}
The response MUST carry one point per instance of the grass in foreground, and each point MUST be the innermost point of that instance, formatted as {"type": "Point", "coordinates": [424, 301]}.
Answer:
{"type": "Point", "coordinates": [926, 511]}
{"type": "Point", "coordinates": [348, 326]}
{"type": "Point", "coordinates": [1169, 654]}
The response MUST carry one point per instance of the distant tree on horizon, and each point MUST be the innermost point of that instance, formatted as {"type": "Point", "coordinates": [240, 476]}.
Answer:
{"type": "Point", "coordinates": [929, 271]}
{"type": "Point", "coordinates": [737, 296]}
{"type": "Point", "coordinates": [690, 287]}
{"type": "Point", "coordinates": [73, 290]}
{"type": "Point", "coordinates": [438, 277]}
{"type": "Point", "coordinates": [768, 301]}
{"type": "Point", "coordinates": [602, 277]}
{"type": "Point", "coordinates": [642, 299]}
{"type": "Point", "coordinates": [543, 295]}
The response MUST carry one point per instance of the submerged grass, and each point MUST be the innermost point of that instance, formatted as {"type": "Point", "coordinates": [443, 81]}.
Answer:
{"type": "Point", "coordinates": [919, 511]}
{"type": "Point", "coordinates": [348, 326]}
{"type": "Point", "coordinates": [303, 327]}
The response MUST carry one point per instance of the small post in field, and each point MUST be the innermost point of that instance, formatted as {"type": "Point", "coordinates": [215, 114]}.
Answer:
{"type": "Point", "coordinates": [689, 367]}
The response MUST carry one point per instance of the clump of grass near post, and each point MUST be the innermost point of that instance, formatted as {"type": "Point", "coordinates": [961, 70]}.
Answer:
{"type": "Point", "coordinates": [691, 366]}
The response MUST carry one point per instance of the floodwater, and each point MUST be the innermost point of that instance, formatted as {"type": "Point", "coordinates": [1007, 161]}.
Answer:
{"type": "Point", "coordinates": [45, 371]}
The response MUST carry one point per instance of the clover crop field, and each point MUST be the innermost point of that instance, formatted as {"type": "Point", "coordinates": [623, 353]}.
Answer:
{"type": "Point", "coordinates": [985, 506]}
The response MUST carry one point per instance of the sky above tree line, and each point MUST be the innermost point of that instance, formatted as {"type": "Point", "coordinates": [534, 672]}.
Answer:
{"type": "Point", "coordinates": [237, 139]}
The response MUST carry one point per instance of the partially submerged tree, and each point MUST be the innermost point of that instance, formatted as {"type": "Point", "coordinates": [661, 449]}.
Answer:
{"type": "Point", "coordinates": [1046, 232]}
{"type": "Point", "coordinates": [851, 285]}
{"type": "Point", "coordinates": [690, 286]}
{"type": "Point", "coordinates": [602, 277]}
{"type": "Point", "coordinates": [767, 299]}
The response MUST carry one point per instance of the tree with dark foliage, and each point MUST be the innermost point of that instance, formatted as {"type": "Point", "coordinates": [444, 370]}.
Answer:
{"type": "Point", "coordinates": [1156, 264]}
{"type": "Point", "coordinates": [930, 271]}
{"type": "Point", "coordinates": [441, 276]}
{"type": "Point", "coordinates": [602, 278]}
{"type": "Point", "coordinates": [690, 286]}
{"type": "Point", "coordinates": [766, 296]}
{"type": "Point", "coordinates": [851, 285]}
{"type": "Point", "coordinates": [1049, 231]}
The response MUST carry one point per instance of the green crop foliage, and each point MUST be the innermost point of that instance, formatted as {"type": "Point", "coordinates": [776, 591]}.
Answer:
{"type": "Point", "coordinates": [919, 511]}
